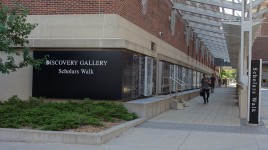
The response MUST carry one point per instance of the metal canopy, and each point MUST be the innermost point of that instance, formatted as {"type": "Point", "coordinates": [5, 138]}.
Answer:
{"type": "Point", "coordinates": [217, 23]}
{"type": "Point", "coordinates": [201, 11]}
{"type": "Point", "coordinates": [225, 4]}
{"type": "Point", "coordinates": [205, 27]}
{"type": "Point", "coordinates": [233, 38]}
{"type": "Point", "coordinates": [204, 21]}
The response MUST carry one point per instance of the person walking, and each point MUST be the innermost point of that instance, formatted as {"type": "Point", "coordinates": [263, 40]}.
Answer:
{"type": "Point", "coordinates": [225, 82]}
{"type": "Point", "coordinates": [219, 82]}
{"type": "Point", "coordinates": [212, 84]}
{"type": "Point", "coordinates": [205, 81]}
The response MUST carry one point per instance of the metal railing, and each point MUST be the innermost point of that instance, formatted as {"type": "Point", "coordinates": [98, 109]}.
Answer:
{"type": "Point", "coordinates": [171, 85]}
{"type": "Point", "coordinates": [240, 84]}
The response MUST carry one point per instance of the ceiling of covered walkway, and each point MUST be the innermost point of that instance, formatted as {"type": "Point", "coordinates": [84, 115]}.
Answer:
{"type": "Point", "coordinates": [217, 23]}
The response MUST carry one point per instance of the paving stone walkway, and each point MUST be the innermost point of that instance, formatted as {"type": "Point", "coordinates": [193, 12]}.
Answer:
{"type": "Point", "coordinates": [212, 126]}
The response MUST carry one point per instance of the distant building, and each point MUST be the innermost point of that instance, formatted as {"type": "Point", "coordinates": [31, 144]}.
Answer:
{"type": "Point", "coordinates": [221, 62]}
{"type": "Point", "coordinates": [260, 48]}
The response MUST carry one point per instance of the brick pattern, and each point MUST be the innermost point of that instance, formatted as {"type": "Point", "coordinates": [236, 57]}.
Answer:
{"type": "Point", "coordinates": [55, 7]}
{"type": "Point", "coordinates": [154, 20]}
{"type": "Point", "coordinates": [264, 26]}
{"type": "Point", "coordinates": [259, 49]}
{"type": "Point", "coordinates": [152, 17]}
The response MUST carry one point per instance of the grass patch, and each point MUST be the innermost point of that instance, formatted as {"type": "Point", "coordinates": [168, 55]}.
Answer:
{"type": "Point", "coordinates": [37, 114]}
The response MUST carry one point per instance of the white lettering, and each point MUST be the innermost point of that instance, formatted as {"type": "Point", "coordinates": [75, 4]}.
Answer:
{"type": "Point", "coordinates": [87, 71]}
{"type": "Point", "coordinates": [61, 62]}
{"type": "Point", "coordinates": [93, 62]}
{"type": "Point", "coordinates": [68, 71]}
{"type": "Point", "coordinates": [254, 99]}
{"type": "Point", "coordinates": [255, 69]}
{"type": "Point", "coordinates": [76, 62]}
{"type": "Point", "coordinates": [105, 62]}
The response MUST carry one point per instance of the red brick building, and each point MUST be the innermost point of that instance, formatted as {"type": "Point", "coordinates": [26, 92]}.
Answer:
{"type": "Point", "coordinates": [88, 34]}
{"type": "Point", "coordinates": [260, 47]}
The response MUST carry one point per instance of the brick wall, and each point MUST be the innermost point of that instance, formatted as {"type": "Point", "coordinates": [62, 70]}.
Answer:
{"type": "Point", "coordinates": [154, 18]}
{"type": "Point", "coordinates": [260, 45]}
{"type": "Point", "coordinates": [260, 48]}
{"type": "Point", "coordinates": [54, 7]}
{"type": "Point", "coordinates": [264, 28]}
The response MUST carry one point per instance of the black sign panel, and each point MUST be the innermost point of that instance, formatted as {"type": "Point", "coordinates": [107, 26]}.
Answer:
{"type": "Point", "coordinates": [79, 74]}
{"type": "Point", "coordinates": [254, 92]}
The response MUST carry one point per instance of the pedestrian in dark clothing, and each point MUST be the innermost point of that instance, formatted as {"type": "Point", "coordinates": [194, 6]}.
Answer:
{"type": "Point", "coordinates": [219, 82]}
{"type": "Point", "coordinates": [212, 84]}
{"type": "Point", "coordinates": [225, 82]}
{"type": "Point", "coordinates": [205, 87]}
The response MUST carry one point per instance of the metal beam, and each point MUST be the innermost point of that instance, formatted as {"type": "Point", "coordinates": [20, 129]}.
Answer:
{"type": "Point", "coordinates": [220, 55]}
{"type": "Point", "coordinates": [202, 11]}
{"type": "Point", "coordinates": [214, 43]}
{"type": "Point", "coordinates": [255, 3]}
{"type": "Point", "coordinates": [215, 40]}
{"type": "Point", "coordinates": [261, 12]}
{"type": "Point", "coordinates": [215, 46]}
{"type": "Point", "coordinates": [223, 46]}
{"type": "Point", "coordinates": [211, 43]}
{"type": "Point", "coordinates": [202, 20]}
{"type": "Point", "coordinates": [222, 49]}
{"type": "Point", "coordinates": [204, 27]}
{"type": "Point", "coordinates": [224, 4]}
{"type": "Point", "coordinates": [208, 32]}
{"type": "Point", "coordinates": [218, 52]}
{"type": "Point", "coordinates": [211, 34]}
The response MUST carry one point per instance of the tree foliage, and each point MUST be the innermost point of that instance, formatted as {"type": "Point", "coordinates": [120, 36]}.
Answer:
{"type": "Point", "coordinates": [14, 32]}
{"type": "Point", "coordinates": [230, 74]}
{"type": "Point", "coordinates": [223, 74]}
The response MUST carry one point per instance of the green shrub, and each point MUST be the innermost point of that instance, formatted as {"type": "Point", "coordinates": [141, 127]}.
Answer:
{"type": "Point", "coordinates": [35, 113]}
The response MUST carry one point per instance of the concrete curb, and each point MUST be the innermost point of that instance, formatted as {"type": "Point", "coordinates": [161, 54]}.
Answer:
{"type": "Point", "coordinates": [25, 135]}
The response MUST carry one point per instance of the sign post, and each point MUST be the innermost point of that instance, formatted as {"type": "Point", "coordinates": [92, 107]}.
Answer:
{"type": "Point", "coordinates": [255, 91]}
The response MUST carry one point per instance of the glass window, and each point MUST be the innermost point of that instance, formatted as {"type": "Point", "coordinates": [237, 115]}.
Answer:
{"type": "Point", "coordinates": [184, 76]}
{"type": "Point", "coordinates": [179, 77]}
{"type": "Point", "coordinates": [194, 80]}
{"type": "Point", "coordinates": [198, 79]}
{"type": "Point", "coordinates": [165, 77]}
{"type": "Point", "coordinates": [190, 79]}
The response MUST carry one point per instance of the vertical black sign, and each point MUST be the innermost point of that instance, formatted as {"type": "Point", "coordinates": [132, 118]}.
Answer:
{"type": "Point", "coordinates": [254, 92]}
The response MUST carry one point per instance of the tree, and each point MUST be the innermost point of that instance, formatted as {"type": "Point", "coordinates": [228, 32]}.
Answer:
{"type": "Point", "coordinates": [14, 31]}
{"type": "Point", "coordinates": [233, 74]}
{"type": "Point", "coordinates": [230, 74]}
{"type": "Point", "coordinates": [223, 74]}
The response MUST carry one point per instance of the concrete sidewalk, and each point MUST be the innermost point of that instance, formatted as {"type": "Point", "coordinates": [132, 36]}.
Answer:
{"type": "Point", "coordinates": [212, 126]}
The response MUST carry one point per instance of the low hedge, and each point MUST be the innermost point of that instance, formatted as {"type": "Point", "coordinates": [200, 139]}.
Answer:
{"type": "Point", "coordinates": [37, 114]}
